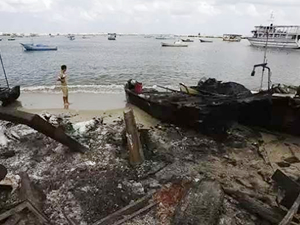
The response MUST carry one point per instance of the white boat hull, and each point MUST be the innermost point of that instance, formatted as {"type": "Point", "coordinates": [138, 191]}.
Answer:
{"type": "Point", "coordinates": [274, 43]}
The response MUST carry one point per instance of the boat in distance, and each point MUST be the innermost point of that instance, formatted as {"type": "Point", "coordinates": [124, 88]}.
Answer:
{"type": "Point", "coordinates": [112, 36]}
{"type": "Point", "coordinates": [232, 37]}
{"type": "Point", "coordinates": [276, 36]}
{"type": "Point", "coordinates": [38, 47]}
{"type": "Point", "coordinates": [187, 40]}
{"type": "Point", "coordinates": [175, 44]}
{"type": "Point", "coordinates": [205, 41]}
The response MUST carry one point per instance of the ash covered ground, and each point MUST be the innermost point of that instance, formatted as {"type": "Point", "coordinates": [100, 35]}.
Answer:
{"type": "Point", "coordinates": [92, 185]}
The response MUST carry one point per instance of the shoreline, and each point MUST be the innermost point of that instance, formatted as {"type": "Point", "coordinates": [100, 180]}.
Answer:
{"type": "Point", "coordinates": [84, 106]}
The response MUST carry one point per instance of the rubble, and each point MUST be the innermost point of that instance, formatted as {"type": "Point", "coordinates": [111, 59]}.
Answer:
{"type": "Point", "coordinates": [87, 188]}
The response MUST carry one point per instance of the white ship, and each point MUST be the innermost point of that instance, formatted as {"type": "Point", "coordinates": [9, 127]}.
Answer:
{"type": "Point", "coordinates": [276, 36]}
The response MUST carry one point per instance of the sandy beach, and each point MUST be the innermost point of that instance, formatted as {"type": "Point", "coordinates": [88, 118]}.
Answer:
{"type": "Point", "coordinates": [84, 106]}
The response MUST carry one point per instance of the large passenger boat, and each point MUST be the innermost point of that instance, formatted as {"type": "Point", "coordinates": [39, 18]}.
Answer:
{"type": "Point", "coordinates": [276, 36]}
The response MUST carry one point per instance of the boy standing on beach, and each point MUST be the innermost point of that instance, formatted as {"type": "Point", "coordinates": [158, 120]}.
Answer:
{"type": "Point", "coordinates": [64, 87]}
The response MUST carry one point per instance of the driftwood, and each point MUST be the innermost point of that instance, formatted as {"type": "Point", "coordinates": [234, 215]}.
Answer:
{"type": "Point", "coordinates": [36, 122]}
{"type": "Point", "coordinates": [293, 210]}
{"type": "Point", "coordinates": [273, 215]}
{"type": "Point", "coordinates": [136, 155]}
{"type": "Point", "coordinates": [128, 211]}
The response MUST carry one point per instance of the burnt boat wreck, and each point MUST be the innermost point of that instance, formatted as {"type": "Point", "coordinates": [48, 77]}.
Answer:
{"type": "Point", "coordinates": [212, 106]}
{"type": "Point", "coordinates": [198, 107]}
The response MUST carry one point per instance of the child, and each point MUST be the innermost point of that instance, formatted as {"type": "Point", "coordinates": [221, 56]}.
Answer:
{"type": "Point", "coordinates": [64, 87]}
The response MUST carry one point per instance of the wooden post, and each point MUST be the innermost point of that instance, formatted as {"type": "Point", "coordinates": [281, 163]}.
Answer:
{"type": "Point", "coordinates": [136, 155]}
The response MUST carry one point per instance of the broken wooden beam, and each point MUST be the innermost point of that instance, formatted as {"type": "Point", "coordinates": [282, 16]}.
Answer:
{"type": "Point", "coordinates": [271, 214]}
{"type": "Point", "coordinates": [291, 188]}
{"type": "Point", "coordinates": [290, 215]}
{"type": "Point", "coordinates": [136, 155]}
{"type": "Point", "coordinates": [126, 211]}
{"type": "Point", "coordinates": [36, 122]}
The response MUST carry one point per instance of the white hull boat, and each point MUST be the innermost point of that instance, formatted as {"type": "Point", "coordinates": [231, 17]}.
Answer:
{"type": "Point", "coordinates": [175, 44]}
{"type": "Point", "coordinates": [287, 37]}
{"type": "Point", "coordinates": [39, 47]}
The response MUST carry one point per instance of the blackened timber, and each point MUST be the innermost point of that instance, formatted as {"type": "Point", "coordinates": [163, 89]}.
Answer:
{"type": "Point", "coordinates": [291, 188]}
{"type": "Point", "coordinates": [36, 122]}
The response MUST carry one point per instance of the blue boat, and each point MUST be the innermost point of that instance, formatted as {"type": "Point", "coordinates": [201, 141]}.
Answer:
{"type": "Point", "coordinates": [38, 47]}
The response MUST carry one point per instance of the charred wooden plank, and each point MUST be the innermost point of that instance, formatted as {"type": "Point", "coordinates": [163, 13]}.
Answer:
{"type": "Point", "coordinates": [36, 122]}
{"type": "Point", "coordinates": [273, 215]}
{"type": "Point", "coordinates": [126, 211]}
{"type": "Point", "coordinates": [136, 155]}
{"type": "Point", "coordinates": [291, 188]}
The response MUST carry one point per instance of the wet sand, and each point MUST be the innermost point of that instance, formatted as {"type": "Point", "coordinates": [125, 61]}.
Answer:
{"type": "Point", "coordinates": [84, 106]}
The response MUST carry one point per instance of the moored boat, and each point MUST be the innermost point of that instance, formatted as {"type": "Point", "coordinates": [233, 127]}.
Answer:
{"type": "Point", "coordinates": [205, 41]}
{"type": "Point", "coordinates": [187, 40]}
{"type": "Point", "coordinates": [38, 47]}
{"type": "Point", "coordinates": [11, 39]}
{"type": "Point", "coordinates": [232, 37]}
{"type": "Point", "coordinates": [175, 44]}
{"type": "Point", "coordinates": [112, 36]}
{"type": "Point", "coordinates": [276, 36]}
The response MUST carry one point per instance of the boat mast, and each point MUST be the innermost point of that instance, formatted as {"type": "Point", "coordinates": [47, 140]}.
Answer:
{"type": "Point", "coordinates": [265, 61]}
{"type": "Point", "coordinates": [4, 70]}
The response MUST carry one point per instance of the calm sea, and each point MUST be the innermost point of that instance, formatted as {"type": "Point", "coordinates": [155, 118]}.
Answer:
{"type": "Point", "coordinates": [98, 65]}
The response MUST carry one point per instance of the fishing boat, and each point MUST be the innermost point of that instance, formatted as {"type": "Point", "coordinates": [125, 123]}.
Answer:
{"type": "Point", "coordinates": [205, 41]}
{"type": "Point", "coordinates": [207, 112]}
{"type": "Point", "coordinates": [276, 36]}
{"type": "Point", "coordinates": [38, 47]}
{"type": "Point", "coordinates": [112, 36]}
{"type": "Point", "coordinates": [8, 95]}
{"type": "Point", "coordinates": [71, 37]}
{"type": "Point", "coordinates": [187, 40]}
{"type": "Point", "coordinates": [175, 44]}
{"type": "Point", "coordinates": [232, 37]}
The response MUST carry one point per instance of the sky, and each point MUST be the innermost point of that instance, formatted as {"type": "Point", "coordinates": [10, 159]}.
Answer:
{"type": "Point", "coordinates": [208, 17]}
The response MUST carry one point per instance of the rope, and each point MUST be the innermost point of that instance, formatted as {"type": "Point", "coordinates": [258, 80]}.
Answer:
{"type": "Point", "coordinates": [4, 71]}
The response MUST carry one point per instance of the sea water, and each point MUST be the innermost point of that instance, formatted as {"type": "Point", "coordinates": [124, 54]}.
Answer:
{"type": "Point", "coordinates": [97, 65]}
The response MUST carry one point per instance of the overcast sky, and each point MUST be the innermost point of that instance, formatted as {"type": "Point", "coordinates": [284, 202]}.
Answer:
{"type": "Point", "coordinates": [145, 16]}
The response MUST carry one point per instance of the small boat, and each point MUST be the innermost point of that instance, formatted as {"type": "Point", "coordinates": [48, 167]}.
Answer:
{"type": "Point", "coordinates": [232, 37]}
{"type": "Point", "coordinates": [205, 41]}
{"type": "Point", "coordinates": [206, 112]}
{"type": "Point", "coordinates": [175, 44]}
{"type": "Point", "coordinates": [160, 38]}
{"type": "Point", "coordinates": [85, 37]}
{"type": "Point", "coordinates": [8, 95]}
{"type": "Point", "coordinates": [11, 39]}
{"type": "Point", "coordinates": [287, 37]}
{"type": "Point", "coordinates": [112, 36]}
{"type": "Point", "coordinates": [38, 47]}
{"type": "Point", "coordinates": [187, 40]}
{"type": "Point", "coordinates": [71, 37]}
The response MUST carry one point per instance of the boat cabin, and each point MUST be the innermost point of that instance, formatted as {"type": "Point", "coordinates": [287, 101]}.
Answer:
{"type": "Point", "coordinates": [287, 32]}
{"type": "Point", "coordinates": [232, 37]}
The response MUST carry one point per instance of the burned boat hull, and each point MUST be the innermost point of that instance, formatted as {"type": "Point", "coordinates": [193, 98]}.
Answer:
{"type": "Point", "coordinates": [9, 95]}
{"type": "Point", "coordinates": [208, 118]}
